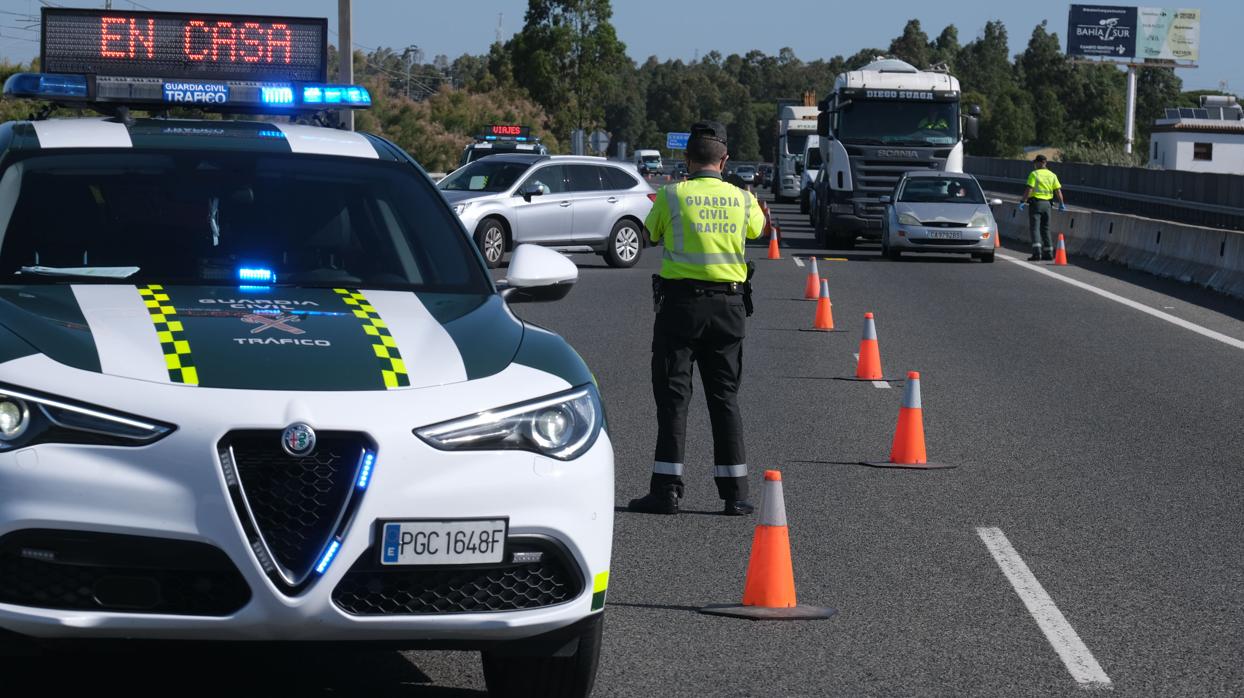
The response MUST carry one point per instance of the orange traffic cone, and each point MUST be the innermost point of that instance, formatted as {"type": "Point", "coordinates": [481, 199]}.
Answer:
{"type": "Point", "coordinates": [773, 243]}
{"type": "Point", "coordinates": [769, 593]}
{"type": "Point", "coordinates": [997, 239]}
{"type": "Point", "coordinates": [824, 320]}
{"type": "Point", "coordinates": [868, 366]}
{"type": "Point", "coordinates": [813, 286]}
{"type": "Point", "coordinates": [1060, 254]}
{"type": "Point", "coordinates": [907, 449]}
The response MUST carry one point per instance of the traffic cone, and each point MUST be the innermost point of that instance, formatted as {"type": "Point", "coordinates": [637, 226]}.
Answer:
{"type": "Point", "coordinates": [1060, 254]}
{"type": "Point", "coordinates": [769, 593]}
{"type": "Point", "coordinates": [997, 239]}
{"type": "Point", "coordinates": [907, 449]}
{"type": "Point", "coordinates": [773, 244]}
{"type": "Point", "coordinates": [868, 366]}
{"type": "Point", "coordinates": [813, 287]}
{"type": "Point", "coordinates": [824, 320]}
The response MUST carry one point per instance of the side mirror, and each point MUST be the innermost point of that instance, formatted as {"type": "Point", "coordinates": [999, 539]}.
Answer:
{"type": "Point", "coordinates": [885, 198]}
{"type": "Point", "coordinates": [822, 124]}
{"type": "Point", "coordinates": [971, 128]}
{"type": "Point", "coordinates": [995, 202]}
{"type": "Point", "coordinates": [538, 274]}
{"type": "Point", "coordinates": [975, 110]}
{"type": "Point", "coordinates": [529, 190]}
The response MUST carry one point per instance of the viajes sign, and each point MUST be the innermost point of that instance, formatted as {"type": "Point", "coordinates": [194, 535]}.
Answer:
{"type": "Point", "coordinates": [1130, 33]}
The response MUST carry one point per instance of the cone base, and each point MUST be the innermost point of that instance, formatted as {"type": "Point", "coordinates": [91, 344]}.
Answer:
{"type": "Point", "coordinates": [867, 380]}
{"type": "Point", "coordinates": [908, 466]}
{"type": "Point", "coordinates": [800, 612]}
{"type": "Point", "coordinates": [813, 329]}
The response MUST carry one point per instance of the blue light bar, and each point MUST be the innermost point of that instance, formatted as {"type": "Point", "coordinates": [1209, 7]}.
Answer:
{"type": "Point", "coordinates": [327, 558]}
{"type": "Point", "coordinates": [277, 95]}
{"type": "Point", "coordinates": [312, 94]}
{"type": "Point", "coordinates": [254, 275]}
{"type": "Point", "coordinates": [45, 85]}
{"type": "Point", "coordinates": [347, 95]}
{"type": "Point", "coordinates": [364, 478]}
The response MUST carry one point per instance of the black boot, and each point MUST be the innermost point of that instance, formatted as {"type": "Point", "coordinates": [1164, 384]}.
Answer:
{"type": "Point", "coordinates": [1047, 256]}
{"type": "Point", "coordinates": [1036, 255]}
{"type": "Point", "coordinates": [737, 507]}
{"type": "Point", "coordinates": [660, 501]}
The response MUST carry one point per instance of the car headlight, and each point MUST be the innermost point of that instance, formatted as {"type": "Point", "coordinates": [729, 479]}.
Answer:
{"type": "Point", "coordinates": [981, 220]}
{"type": "Point", "coordinates": [908, 219]}
{"type": "Point", "coordinates": [562, 426]}
{"type": "Point", "coordinates": [459, 208]}
{"type": "Point", "coordinates": [28, 418]}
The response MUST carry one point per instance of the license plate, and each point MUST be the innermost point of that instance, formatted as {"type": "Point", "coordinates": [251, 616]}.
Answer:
{"type": "Point", "coordinates": [443, 542]}
{"type": "Point", "coordinates": [944, 234]}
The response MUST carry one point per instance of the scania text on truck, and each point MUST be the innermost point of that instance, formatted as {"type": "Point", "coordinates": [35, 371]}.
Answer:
{"type": "Point", "coordinates": [878, 122]}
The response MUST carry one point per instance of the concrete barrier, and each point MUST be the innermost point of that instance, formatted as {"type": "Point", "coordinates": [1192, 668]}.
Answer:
{"type": "Point", "coordinates": [1204, 256]}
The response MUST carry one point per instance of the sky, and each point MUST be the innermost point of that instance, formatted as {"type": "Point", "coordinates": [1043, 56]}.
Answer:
{"type": "Point", "coordinates": [685, 30]}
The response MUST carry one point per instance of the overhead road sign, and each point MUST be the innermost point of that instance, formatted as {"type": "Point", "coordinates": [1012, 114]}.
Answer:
{"type": "Point", "coordinates": [677, 141]}
{"type": "Point", "coordinates": [1101, 31]}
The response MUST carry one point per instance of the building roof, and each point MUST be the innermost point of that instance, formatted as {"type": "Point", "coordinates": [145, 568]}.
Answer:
{"type": "Point", "coordinates": [1198, 126]}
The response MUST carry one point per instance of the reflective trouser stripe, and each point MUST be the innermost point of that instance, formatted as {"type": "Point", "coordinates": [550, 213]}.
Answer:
{"type": "Point", "coordinates": [675, 208]}
{"type": "Point", "coordinates": [739, 470]}
{"type": "Point", "coordinates": [662, 468]}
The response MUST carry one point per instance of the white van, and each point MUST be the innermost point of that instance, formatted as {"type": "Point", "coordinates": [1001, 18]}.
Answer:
{"type": "Point", "coordinates": [811, 167]}
{"type": "Point", "coordinates": [648, 162]}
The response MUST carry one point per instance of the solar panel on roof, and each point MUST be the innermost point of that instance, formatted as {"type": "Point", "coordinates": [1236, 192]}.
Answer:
{"type": "Point", "coordinates": [1185, 113]}
{"type": "Point", "coordinates": [1200, 113]}
{"type": "Point", "coordinates": [1214, 112]}
{"type": "Point", "coordinates": [1172, 113]}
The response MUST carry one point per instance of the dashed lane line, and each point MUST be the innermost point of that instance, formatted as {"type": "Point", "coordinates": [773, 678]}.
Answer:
{"type": "Point", "coordinates": [1180, 322]}
{"type": "Point", "coordinates": [1076, 656]}
{"type": "Point", "coordinates": [798, 261]}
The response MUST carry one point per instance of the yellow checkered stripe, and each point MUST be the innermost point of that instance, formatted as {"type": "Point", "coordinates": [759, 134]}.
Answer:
{"type": "Point", "coordinates": [177, 358]}
{"type": "Point", "coordinates": [392, 368]}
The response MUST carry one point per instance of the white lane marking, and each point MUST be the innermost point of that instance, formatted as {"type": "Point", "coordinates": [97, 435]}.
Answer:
{"type": "Point", "coordinates": [798, 261]}
{"type": "Point", "coordinates": [1070, 648]}
{"type": "Point", "coordinates": [881, 384]}
{"type": "Point", "coordinates": [1180, 322]}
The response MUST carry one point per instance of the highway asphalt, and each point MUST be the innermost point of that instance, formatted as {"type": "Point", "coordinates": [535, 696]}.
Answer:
{"type": "Point", "coordinates": [1104, 443]}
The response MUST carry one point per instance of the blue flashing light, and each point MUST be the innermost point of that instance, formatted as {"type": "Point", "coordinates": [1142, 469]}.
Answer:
{"type": "Point", "coordinates": [279, 95]}
{"type": "Point", "coordinates": [256, 275]}
{"type": "Point", "coordinates": [364, 478]}
{"type": "Point", "coordinates": [45, 85]}
{"type": "Point", "coordinates": [327, 558]}
{"type": "Point", "coordinates": [521, 139]}
{"type": "Point", "coordinates": [349, 95]}
{"type": "Point", "coordinates": [313, 94]}
{"type": "Point", "coordinates": [271, 133]}
{"type": "Point", "coordinates": [254, 289]}
{"type": "Point", "coordinates": [332, 94]}
{"type": "Point", "coordinates": [490, 138]}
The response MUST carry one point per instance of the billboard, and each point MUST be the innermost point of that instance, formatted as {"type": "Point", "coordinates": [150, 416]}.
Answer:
{"type": "Point", "coordinates": [1101, 31]}
{"type": "Point", "coordinates": [1169, 34]}
{"type": "Point", "coordinates": [1133, 33]}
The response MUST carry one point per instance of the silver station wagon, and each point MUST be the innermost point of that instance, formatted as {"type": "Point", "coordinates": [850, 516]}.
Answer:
{"type": "Point", "coordinates": [571, 203]}
{"type": "Point", "coordinates": [939, 212]}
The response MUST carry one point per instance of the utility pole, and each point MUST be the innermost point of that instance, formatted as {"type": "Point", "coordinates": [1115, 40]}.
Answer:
{"type": "Point", "coordinates": [1129, 123]}
{"type": "Point", "coordinates": [345, 56]}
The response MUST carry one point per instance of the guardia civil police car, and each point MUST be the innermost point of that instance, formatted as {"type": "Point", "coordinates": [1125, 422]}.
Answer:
{"type": "Point", "coordinates": [256, 384]}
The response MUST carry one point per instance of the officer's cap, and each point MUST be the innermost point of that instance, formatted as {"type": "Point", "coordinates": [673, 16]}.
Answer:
{"type": "Point", "coordinates": [710, 130]}
{"type": "Point", "coordinates": [1039, 158]}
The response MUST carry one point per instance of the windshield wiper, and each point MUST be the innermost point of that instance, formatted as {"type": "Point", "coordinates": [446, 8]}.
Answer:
{"type": "Point", "coordinates": [82, 272]}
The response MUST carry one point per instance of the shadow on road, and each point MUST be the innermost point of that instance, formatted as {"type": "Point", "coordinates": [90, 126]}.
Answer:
{"type": "Point", "coordinates": [654, 606]}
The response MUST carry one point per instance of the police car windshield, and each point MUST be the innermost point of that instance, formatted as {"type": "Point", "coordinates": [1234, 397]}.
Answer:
{"type": "Point", "coordinates": [899, 123]}
{"type": "Point", "coordinates": [485, 176]}
{"type": "Point", "coordinates": [941, 190]}
{"type": "Point", "coordinates": [194, 217]}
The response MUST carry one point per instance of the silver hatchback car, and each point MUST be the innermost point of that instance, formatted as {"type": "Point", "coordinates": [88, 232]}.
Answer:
{"type": "Point", "coordinates": [571, 203]}
{"type": "Point", "coordinates": [939, 212]}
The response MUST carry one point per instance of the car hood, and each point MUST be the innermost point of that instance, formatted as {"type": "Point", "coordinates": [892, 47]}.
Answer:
{"type": "Point", "coordinates": [454, 197]}
{"type": "Point", "coordinates": [265, 339]}
{"type": "Point", "coordinates": [942, 213]}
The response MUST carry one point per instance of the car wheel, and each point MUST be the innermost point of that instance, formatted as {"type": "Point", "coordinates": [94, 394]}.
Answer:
{"type": "Point", "coordinates": [490, 239]}
{"type": "Point", "coordinates": [624, 244]}
{"type": "Point", "coordinates": [547, 677]}
{"type": "Point", "coordinates": [803, 203]}
{"type": "Point", "coordinates": [987, 258]}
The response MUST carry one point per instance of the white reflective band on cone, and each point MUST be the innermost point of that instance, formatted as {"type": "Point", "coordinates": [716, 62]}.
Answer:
{"type": "Point", "coordinates": [870, 329]}
{"type": "Point", "coordinates": [739, 470]}
{"type": "Point", "coordinates": [824, 288]}
{"type": "Point", "coordinates": [814, 271]}
{"type": "Point", "coordinates": [911, 393]}
{"type": "Point", "coordinates": [662, 468]}
{"type": "Point", "coordinates": [772, 504]}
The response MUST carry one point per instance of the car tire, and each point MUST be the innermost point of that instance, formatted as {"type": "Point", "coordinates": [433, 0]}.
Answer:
{"type": "Point", "coordinates": [987, 258]}
{"type": "Point", "coordinates": [624, 245]}
{"type": "Point", "coordinates": [803, 203]}
{"type": "Point", "coordinates": [547, 677]}
{"type": "Point", "coordinates": [490, 239]}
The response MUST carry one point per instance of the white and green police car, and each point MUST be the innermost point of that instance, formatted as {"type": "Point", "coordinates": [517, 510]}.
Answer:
{"type": "Point", "coordinates": [256, 384]}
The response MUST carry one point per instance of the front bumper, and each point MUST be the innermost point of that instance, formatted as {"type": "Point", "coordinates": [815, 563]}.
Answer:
{"type": "Point", "coordinates": [175, 489]}
{"type": "Point", "coordinates": [921, 239]}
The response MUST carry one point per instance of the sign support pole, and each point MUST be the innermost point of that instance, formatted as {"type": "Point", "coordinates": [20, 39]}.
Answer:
{"type": "Point", "coordinates": [345, 57]}
{"type": "Point", "coordinates": [1129, 128]}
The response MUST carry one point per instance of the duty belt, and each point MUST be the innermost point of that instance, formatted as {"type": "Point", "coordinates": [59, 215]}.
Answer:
{"type": "Point", "coordinates": [693, 287]}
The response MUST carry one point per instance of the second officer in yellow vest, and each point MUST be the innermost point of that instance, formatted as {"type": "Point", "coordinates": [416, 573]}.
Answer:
{"type": "Point", "coordinates": [703, 297]}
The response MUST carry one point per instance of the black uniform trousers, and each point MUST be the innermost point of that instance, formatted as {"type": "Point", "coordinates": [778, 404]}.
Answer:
{"type": "Point", "coordinates": [705, 327]}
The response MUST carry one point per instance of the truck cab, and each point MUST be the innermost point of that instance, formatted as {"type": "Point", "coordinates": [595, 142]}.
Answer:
{"type": "Point", "coordinates": [648, 162]}
{"type": "Point", "coordinates": [811, 167]}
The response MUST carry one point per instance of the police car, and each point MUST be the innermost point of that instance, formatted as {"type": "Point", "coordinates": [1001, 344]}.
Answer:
{"type": "Point", "coordinates": [256, 384]}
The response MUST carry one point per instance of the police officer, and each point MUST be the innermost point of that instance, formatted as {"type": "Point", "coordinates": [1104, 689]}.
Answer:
{"type": "Point", "coordinates": [703, 296]}
{"type": "Point", "coordinates": [1039, 195]}
{"type": "Point", "coordinates": [933, 120]}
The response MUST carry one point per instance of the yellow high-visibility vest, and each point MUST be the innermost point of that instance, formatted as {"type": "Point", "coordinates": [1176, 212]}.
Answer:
{"type": "Point", "coordinates": [1043, 183]}
{"type": "Point", "coordinates": [703, 225]}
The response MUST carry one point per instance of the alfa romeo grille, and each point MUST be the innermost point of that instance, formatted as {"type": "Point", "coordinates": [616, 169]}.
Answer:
{"type": "Point", "coordinates": [292, 507]}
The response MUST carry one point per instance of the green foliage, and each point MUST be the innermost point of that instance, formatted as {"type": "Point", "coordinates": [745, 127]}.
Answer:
{"type": "Point", "coordinates": [1100, 153]}
{"type": "Point", "coordinates": [913, 45]}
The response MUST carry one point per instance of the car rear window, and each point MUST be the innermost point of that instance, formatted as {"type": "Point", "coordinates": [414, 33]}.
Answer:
{"type": "Point", "coordinates": [615, 178]}
{"type": "Point", "coordinates": [584, 178]}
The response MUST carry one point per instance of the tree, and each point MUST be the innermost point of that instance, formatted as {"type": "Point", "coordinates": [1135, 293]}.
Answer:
{"type": "Point", "coordinates": [912, 45]}
{"type": "Point", "coordinates": [1045, 73]}
{"type": "Point", "coordinates": [945, 49]}
{"type": "Point", "coordinates": [1156, 89]}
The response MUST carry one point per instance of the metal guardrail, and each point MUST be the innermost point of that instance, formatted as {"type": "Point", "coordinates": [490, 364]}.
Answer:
{"type": "Point", "coordinates": [1143, 198]}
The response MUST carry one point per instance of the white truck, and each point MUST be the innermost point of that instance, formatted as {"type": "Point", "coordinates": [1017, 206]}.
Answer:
{"type": "Point", "coordinates": [811, 170]}
{"type": "Point", "coordinates": [648, 162]}
{"type": "Point", "coordinates": [878, 122]}
{"type": "Point", "coordinates": [796, 125]}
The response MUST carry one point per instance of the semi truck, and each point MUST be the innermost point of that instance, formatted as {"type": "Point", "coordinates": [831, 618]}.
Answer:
{"type": "Point", "coordinates": [796, 124]}
{"type": "Point", "coordinates": [885, 119]}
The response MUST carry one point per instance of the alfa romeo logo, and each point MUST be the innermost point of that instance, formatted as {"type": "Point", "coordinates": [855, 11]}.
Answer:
{"type": "Point", "coordinates": [298, 440]}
